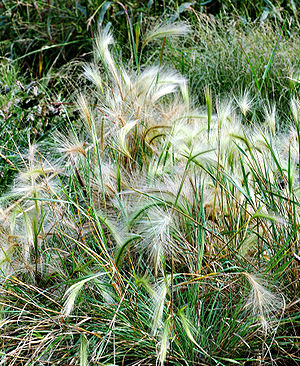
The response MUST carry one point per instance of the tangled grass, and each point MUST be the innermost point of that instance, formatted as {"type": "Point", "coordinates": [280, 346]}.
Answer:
{"type": "Point", "coordinates": [153, 231]}
{"type": "Point", "coordinates": [231, 56]}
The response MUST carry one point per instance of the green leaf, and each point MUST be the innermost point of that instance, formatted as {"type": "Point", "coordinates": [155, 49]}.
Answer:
{"type": "Point", "coordinates": [271, 58]}
{"type": "Point", "coordinates": [83, 350]}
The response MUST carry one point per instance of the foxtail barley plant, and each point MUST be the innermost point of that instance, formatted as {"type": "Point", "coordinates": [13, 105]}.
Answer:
{"type": "Point", "coordinates": [159, 232]}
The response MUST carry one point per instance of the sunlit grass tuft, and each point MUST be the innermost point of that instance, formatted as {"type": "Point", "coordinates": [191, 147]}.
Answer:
{"type": "Point", "coordinates": [139, 238]}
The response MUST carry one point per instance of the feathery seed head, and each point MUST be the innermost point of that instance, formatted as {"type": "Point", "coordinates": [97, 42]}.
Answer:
{"type": "Point", "coordinates": [155, 229]}
{"type": "Point", "coordinates": [270, 117]}
{"type": "Point", "coordinates": [295, 108]}
{"type": "Point", "coordinates": [70, 147]}
{"type": "Point", "coordinates": [293, 145]}
{"type": "Point", "coordinates": [103, 40]}
{"type": "Point", "coordinates": [167, 30]}
{"type": "Point", "coordinates": [85, 110]}
{"type": "Point", "coordinates": [122, 142]}
{"type": "Point", "coordinates": [164, 341]}
{"type": "Point", "coordinates": [158, 298]}
{"type": "Point", "coordinates": [91, 72]}
{"type": "Point", "coordinates": [73, 291]}
{"type": "Point", "coordinates": [245, 102]}
{"type": "Point", "coordinates": [264, 303]}
{"type": "Point", "coordinates": [166, 83]}
{"type": "Point", "coordinates": [224, 110]}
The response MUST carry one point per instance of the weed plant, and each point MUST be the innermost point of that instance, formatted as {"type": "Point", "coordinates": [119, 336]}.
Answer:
{"type": "Point", "coordinates": [156, 231]}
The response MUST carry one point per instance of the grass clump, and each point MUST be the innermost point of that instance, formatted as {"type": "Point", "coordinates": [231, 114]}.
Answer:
{"type": "Point", "coordinates": [231, 56]}
{"type": "Point", "coordinates": [161, 231]}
